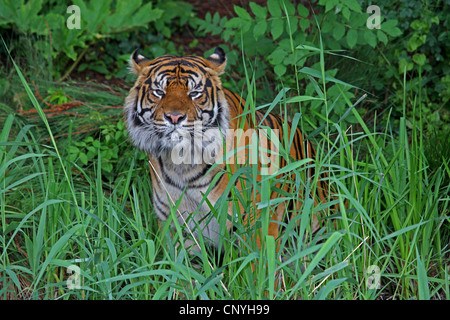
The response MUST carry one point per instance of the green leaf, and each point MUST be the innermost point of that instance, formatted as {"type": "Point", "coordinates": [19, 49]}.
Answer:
{"type": "Point", "coordinates": [302, 11]}
{"type": "Point", "coordinates": [422, 279]}
{"type": "Point", "coordinates": [94, 15]}
{"type": "Point", "coordinates": [121, 16]}
{"type": "Point", "coordinates": [277, 56]}
{"type": "Point", "coordinates": [353, 5]}
{"type": "Point", "coordinates": [274, 8]}
{"type": "Point", "coordinates": [292, 25]}
{"type": "Point", "coordinates": [259, 29]}
{"type": "Point", "coordinates": [276, 28]}
{"type": "Point", "coordinates": [328, 288]}
{"type": "Point", "coordinates": [382, 36]}
{"type": "Point", "coordinates": [301, 99]}
{"type": "Point", "coordinates": [330, 4]}
{"type": "Point", "coordinates": [346, 13]}
{"type": "Point", "coordinates": [258, 11]}
{"type": "Point", "coordinates": [26, 16]}
{"type": "Point", "coordinates": [83, 158]}
{"type": "Point", "coordinates": [390, 28]}
{"type": "Point", "coordinates": [304, 24]}
{"type": "Point", "coordinates": [415, 42]}
{"type": "Point", "coordinates": [6, 13]}
{"type": "Point", "coordinates": [235, 22]}
{"type": "Point", "coordinates": [247, 259]}
{"type": "Point", "coordinates": [326, 247]}
{"type": "Point", "coordinates": [280, 70]}
{"type": "Point", "coordinates": [306, 47]}
{"type": "Point", "coordinates": [370, 37]}
{"type": "Point", "coordinates": [242, 13]}
{"type": "Point", "coordinates": [57, 249]}
{"type": "Point", "coordinates": [419, 58]}
{"type": "Point", "coordinates": [288, 8]}
{"type": "Point", "coordinates": [338, 31]}
{"type": "Point", "coordinates": [435, 20]}
{"type": "Point", "coordinates": [96, 143]}
{"type": "Point", "coordinates": [270, 246]}
{"type": "Point", "coordinates": [358, 20]}
{"type": "Point", "coordinates": [293, 165]}
{"type": "Point", "coordinates": [420, 25]}
{"type": "Point", "coordinates": [352, 38]}
{"type": "Point", "coordinates": [146, 14]}
{"type": "Point", "coordinates": [402, 63]}
{"type": "Point", "coordinates": [317, 74]}
{"type": "Point", "coordinates": [404, 230]}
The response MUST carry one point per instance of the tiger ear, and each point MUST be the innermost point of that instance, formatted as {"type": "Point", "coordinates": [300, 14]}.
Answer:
{"type": "Point", "coordinates": [218, 60]}
{"type": "Point", "coordinates": [138, 62]}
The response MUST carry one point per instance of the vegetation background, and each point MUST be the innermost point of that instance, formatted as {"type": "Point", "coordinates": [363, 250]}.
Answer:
{"type": "Point", "coordinates": [76, 219]}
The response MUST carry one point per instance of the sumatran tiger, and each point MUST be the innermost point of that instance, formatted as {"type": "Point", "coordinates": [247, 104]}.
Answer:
{"type": "Point", "coordinates": [178, 110]}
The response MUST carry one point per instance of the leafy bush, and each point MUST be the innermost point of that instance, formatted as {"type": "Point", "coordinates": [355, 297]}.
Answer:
{"type": "Point", "coordinates": [100, 21]}
{"type": "Point", "coordinates": [395, 221]}
{"type": "Point", "coordinates": [83, 200]}
{"type": "Point", "coordinates": [278, 39]}
{"type": "Point", "coordinates": [422, 53]}
{"type": "Point", "coordinates": [106, 147]}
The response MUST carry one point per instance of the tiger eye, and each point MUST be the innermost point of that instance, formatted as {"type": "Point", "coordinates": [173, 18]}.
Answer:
{"type": "Point", "coordinates": [159, 93]}
{"type": "Point", "coordinates": [195, 94]}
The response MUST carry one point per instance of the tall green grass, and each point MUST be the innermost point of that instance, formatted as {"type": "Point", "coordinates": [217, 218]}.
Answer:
{"type": "Point", "coordinates": [56, 214]}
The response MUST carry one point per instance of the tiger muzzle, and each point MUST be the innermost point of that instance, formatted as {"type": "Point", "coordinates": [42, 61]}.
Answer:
{"type": "Point", "coordinates": [174, 118]}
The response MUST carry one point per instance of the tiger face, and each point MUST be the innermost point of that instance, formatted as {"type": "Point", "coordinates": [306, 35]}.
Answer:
{"type": "Point", "coordinates": [174, 100]}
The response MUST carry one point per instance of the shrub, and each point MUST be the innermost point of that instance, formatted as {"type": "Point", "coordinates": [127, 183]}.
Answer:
{"type": "Point", "coordinates": [278, 39]}
{"type": "Point", "coordinates": [101, 22]}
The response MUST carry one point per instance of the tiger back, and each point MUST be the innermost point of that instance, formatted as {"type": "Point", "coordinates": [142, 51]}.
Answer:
{"type": "Point", "coordinates": [193, 129]}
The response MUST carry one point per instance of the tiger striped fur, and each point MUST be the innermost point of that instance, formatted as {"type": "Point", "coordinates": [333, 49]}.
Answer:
{"type": "Point", "coordinates": [175, 98]}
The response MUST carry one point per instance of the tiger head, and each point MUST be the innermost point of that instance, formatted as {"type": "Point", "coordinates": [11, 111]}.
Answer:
{"type": "Point", "coordinates": [175, 98]}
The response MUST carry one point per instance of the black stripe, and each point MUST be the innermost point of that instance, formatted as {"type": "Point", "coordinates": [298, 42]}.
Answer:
{"type": "Point", "coordinates": [209, 182]}
{"type": "Point", "coordinates": [218, 181]}
{"type": "Point", "coordinates": [197, 62]}
{"type": "Point", "coordinates": [199, 186]}
{"type": "Point", "coordinates": [220, 116]}
{"type": "Point", "coordinates": [279, 126]}
{"type": "Point", "coordinates": [209, 112]}
{"type": "Point", "coordinates": [236, 96]}
{"type": "Point", "coordinates": [157, 68]}
{"type": "Point", "coordinates": [229, 98]}
{"type": "Point", "coordinates": [279, 121]}
{"type": "Point", "coordinates": [136, 121]}
{"type": "Point", "coordinates": [183, 70]}
{"type": "Point", "coordinates": [208, 83]}
{"type": "Point", "coordinates": [269, 120]}
{"type": "Point", "coordinates": [259, 115]}
{"type": "Point", "coordinates": [196, 59]}
{"type": "Point", "coordinates": [165, 58]}
{"type": "Point", "coordinates": [157, 61]}
{"type": "Point", "coordinates": [201, 174]}
{"type": "Point", "coordinates": [312, 154]}
{"type": "Point", "coordinates": [297, 145]}
{"type": "Point", "coordinates": [157, 198]}
{"type": "Point", "coordinates": [167, 177]}
{"type": "Point", "coordinates": [237, 189]}
{"type": "Point", "coordinates": [157, 206]}
{"type": "Point", "coordinates": [142, 93]}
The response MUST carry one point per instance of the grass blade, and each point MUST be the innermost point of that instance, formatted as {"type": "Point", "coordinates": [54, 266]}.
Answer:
{"type": "Point", "coordinates": [423, 289]}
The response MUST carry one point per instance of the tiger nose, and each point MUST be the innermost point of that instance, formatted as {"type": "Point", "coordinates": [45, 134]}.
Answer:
{"type": "Point", "coordinates": [174, 118]}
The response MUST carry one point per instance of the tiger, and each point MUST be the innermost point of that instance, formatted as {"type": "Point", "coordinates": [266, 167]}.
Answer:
{"type": "Point", "coordinates": [178, 98]}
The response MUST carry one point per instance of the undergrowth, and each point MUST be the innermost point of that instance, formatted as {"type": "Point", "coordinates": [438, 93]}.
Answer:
{"type": "Point", "coordinates": [76, 227]}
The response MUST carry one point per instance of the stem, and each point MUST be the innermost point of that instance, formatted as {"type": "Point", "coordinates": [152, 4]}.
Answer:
{"type": "Point", "coordinates": [68, 72]}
